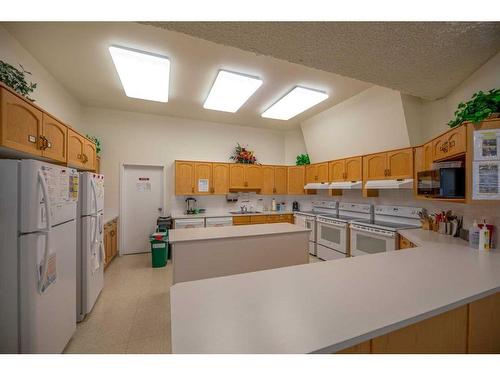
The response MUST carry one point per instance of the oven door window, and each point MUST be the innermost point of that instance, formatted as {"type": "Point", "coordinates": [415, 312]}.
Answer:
{"type": "Point", "coordinates": [330, 235]}
{"type": "Point", "coordinates": [369, 244]}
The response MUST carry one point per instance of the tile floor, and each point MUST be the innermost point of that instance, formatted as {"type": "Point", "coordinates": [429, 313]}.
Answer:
{"type": "Point", "coordinates": [132, 314]}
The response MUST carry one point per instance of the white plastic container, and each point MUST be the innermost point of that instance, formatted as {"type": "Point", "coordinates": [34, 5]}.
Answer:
{"type": "Point", "coordinates": [484, 238]}
{"type": "Point", "coordinates": [474, 235]}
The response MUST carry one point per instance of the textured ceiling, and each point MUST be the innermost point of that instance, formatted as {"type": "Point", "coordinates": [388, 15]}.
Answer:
{"type": "Point", "coordinates": [425, 59]}
{"type": "Point", "coordinates": [76, 54]}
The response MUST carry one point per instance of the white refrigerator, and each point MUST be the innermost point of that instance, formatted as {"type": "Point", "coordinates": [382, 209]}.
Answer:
{"type": "Point", "coordinates": [38, 204]}
{"type": "Point", "coordinates": [90, 247]}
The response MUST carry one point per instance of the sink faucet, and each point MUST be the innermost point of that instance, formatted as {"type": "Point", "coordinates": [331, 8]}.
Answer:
{"type": "Point", "coordinates": [244, 207]}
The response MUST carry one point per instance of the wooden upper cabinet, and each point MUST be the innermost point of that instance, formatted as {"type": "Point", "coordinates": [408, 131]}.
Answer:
{"type": "Point", "coordinates": [323, 172]}
{"type": "Point", "coordinates": [450, 143]}
{"type": "Point", "coordinates": [428, 156]}
{"type": "Point", "coordinates": [220, 177]}
{"type": "Point", "coordinates": [20, 124]}
{"type": "Point", "coordinates": [400, 164]}
{"type": "Point", "coordinates": [311, 173]}
{"type": "Point", "coordinates": [55, 136]}
{"type": "Point", "coordinates": [280, 180]}
{"type": "Point", "coordinates": [202, 171]}
{"type": "Point", "coordinates": [89, 155]}
{"type": "Point", "coordinates": [75, 149]}
{"type": "Point", "coordinates": [296, 180]}
{"type": "Point", "coordinates": [184, 177]}
{"type": "Point", "coordinates": [375, 166]}
{"type": "Point", "coordinates": [419, 160]}
{"type": "Point", "coordinates": [353, 169]}
{"type": "Point", "coordinates": [267, 180]}
{"type": "Point", "coordinates": [337, 170]}
{"type": "Point", "coordinates": [236, 176]}
{"type": "Point", "coordinates": [253, 174]}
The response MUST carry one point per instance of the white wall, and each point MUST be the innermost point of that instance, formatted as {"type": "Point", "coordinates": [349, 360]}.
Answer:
{"type": "Point", "coordinates": [49, 94]}
{"type": "Point", "coordinates": [294, 145]}
{"type": "Point", "coordinates": [371, 121]}
{"type": "Point", "coordinates": [151, 139]}
{"type": "Point", "coordinates": [437, 113]}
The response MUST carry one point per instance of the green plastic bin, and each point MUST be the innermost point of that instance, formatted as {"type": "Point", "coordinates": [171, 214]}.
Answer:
{"type": "Point", "coordinates": [159, 249]}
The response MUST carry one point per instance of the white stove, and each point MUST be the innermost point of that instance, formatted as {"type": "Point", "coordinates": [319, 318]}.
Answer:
{"type": "Point", "coordinates": [380, 234]}
{"type": "Point", "coordinates": [332, 230]}
{"type": "Point", "coordinates": [308, 219]}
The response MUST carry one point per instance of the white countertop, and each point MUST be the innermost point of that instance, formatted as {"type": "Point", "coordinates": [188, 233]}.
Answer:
{"type": "Point", "coordinates": [181, 215]}
{"type": "Point", "coordinates": [236, 231]}
{"type": "Point", "coordinates": [329, 306]}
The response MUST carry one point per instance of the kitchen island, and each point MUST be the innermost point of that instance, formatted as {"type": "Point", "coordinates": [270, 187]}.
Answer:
{"type": "Point", "coordinates": [200, 253]}
{"type": "Point", "coordinates": [438, 297]}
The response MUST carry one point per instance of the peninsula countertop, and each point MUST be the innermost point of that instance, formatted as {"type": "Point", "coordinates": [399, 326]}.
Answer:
{"type": "Point", "coordinates": [211, 233]}
{"type": "Point", "coordinates": [182, 215]}
{"type": "Point", "coordinates": [355, 299]}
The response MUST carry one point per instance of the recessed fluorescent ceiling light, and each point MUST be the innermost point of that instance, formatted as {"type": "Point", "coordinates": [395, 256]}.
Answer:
{"type": "Point", "coordinates": [295, 102]}
{"type": "Point", "coordinates": [230, 91]}
{"type": "Point", "coordinates": [143, 75]}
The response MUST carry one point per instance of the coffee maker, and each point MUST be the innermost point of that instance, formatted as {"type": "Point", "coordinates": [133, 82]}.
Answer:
{"type": "Point", "coordinates": [190, 205]}
{"type": "Point", "coordinates": [295, 206]}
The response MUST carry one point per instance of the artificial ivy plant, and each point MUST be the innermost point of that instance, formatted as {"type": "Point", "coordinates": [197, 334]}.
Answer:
{"type": "Point", "coordinates": [16, 80]}
{"type": "Point", "coordinates": [481, 106]}
{"type": "Point", "coordinates": [97, 143]}
{"type": "Point", "coordinates": [303, 159]}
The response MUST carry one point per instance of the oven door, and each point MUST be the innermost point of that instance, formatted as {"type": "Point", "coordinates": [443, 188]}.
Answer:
{"type": "Point", "coordinates": [333, 236]}
{"type": "Point", "coordinates": [365, 241]}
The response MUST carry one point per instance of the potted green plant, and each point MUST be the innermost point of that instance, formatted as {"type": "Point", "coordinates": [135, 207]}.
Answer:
{"type": "Point", "coordinates": [481, 106]}
{"type": "Point", "coordinates": [303, 159]}
{"type": "Point", "coordinates": [16, 80]}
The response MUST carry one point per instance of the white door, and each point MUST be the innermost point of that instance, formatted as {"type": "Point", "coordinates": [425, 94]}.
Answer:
{"type": "Point", "coordinates": [142, 200]}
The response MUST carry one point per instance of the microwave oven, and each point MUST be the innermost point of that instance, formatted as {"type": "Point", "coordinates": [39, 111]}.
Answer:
{"type": "Point", "coordinates": [442, 183]}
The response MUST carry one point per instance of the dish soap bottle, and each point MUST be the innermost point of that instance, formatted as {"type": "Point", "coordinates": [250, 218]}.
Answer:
{"type": "Point", "coordinates": [273, 205]}
{"type": "Point", "coordinates": [484, 237]}
{"type": "Point", "coordinates": [474, 235]}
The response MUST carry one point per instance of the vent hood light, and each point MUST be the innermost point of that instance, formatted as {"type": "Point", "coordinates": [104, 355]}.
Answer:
{"type": "Point", "coordinates": [390, 184]}
{"type": "Point", "coordinates": [295, 102]}
{"type": "Point", "coordinates": [347, 185]}
{"type": "Point", "coordinates": [143, 75]}
{"type": "Point", "coordinates": [230, 91]}
{"type": "Point", "coordinates": [317, 186]}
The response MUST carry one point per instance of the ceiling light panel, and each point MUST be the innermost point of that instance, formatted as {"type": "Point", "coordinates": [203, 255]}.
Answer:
{"type": "Point", "coordinates": [143, 75]}
{"type": "Point", "coordinates": [230, 91]}
{"type": "Point", "coordinates": [296, 101]}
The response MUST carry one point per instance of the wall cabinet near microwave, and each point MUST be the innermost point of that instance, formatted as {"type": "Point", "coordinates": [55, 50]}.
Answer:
{"type": "Point", "coordinates": [346, 169]}
{"type": "Point", "coordinates": [274, 180]}
{"type": "Point", "coordinates": [317, 173]}
{"type": "Point", "coordinates": [55, 139]}
{"type": "Point", "coordinates": [245, 176]}
{"type": "Point", "coordinates": [296, 180]}
{"type": "Point", "coordinates": [396, 164]}
{"type": "Point", "coordinates": [451, 143]}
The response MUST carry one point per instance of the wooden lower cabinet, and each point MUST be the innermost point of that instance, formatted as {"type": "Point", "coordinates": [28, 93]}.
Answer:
{"type": "Point", "coordinates": [110, 241]}
{"type": "Point", "coordinates": [472, 328]}
{"type": "Point", "coordinates": [263, 219]}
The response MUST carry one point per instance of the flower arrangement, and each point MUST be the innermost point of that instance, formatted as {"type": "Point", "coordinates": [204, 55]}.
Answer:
{"type": "Point", "coordinates": [242, 155]}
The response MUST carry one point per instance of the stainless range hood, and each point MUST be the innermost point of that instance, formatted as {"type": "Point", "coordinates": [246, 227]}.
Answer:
{"type": "Point", "coordinates": [317, 186]}
{"type": "Point", "coordinates": [347, 185]}
{"type": "Point", "coordinates": [406, 183]}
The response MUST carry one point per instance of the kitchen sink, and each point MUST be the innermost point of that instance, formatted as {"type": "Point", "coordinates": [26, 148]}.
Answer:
{"type": "Point", "coordinates": [245, 212]}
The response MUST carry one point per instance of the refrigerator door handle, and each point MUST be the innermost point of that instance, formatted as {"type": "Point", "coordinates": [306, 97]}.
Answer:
{"type": "Point", "coordinates": [95, 215]}
{"type": "Point", "coordinates": [46, 231]}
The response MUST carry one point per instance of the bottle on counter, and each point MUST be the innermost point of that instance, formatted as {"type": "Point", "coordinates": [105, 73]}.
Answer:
{"type": "Point", "coordinates": [484, 237]}
{"type": "Point", "coordinates": [474, 235]}
{"type": "Point", "coordinates": [273, 205]}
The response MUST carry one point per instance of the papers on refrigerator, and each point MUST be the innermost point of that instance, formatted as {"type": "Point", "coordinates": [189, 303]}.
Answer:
{"type": "Point", "coordinates": [487, 145]}
{"type": "Point", "coordinates": [486, 180]}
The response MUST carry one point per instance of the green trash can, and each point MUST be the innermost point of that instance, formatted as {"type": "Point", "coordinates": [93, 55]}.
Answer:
{"type": "Point", "coordinates": [159, 249]}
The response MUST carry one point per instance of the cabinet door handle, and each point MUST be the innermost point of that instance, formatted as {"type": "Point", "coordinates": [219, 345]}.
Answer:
{"type": "Point", "coordinates": [79, 156]}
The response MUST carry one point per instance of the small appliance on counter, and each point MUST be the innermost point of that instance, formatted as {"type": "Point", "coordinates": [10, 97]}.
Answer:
{"type": "Point", "coordinates": [295, 206]}
{"type": "Point", "coordinates": [191, 206]}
